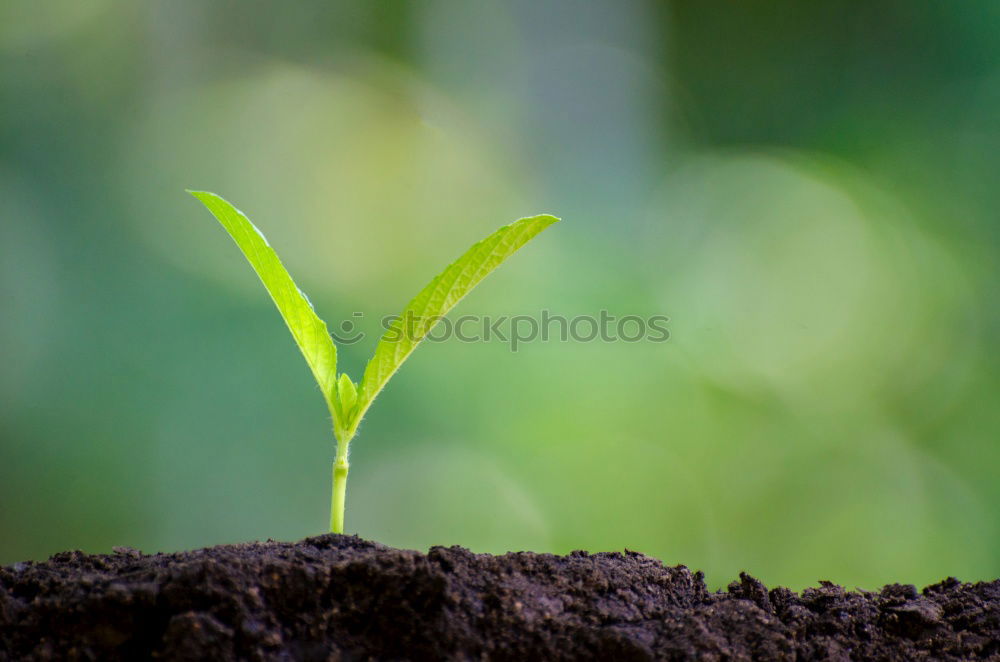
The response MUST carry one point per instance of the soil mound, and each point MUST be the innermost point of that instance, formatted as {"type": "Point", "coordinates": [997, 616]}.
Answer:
{"type": "Point", "coordinates": [342, 598]}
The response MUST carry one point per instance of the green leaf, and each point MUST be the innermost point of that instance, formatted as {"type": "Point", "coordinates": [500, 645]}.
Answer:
{"type": "Point", "coordinates": [435, 300]}
{"type": "Point", "coordinates": [348, 392]}
{"type": "Point", "coordinates": [309, 331]}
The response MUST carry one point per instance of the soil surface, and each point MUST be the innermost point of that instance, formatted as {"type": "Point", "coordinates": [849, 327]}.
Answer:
{"type": "Point", "coordinates": [343, 598]}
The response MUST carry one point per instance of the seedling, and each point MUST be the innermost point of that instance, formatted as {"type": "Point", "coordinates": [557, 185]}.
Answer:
{"type": "Point", "coordinates": [346, 399]}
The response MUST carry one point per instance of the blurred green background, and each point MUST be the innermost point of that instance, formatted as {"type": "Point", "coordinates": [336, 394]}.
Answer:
{"type": "Point", "coordinates": [808, 190]}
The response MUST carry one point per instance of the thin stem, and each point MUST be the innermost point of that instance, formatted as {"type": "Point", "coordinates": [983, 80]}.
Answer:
{"type": "Point", "coordinates": [340, 467]}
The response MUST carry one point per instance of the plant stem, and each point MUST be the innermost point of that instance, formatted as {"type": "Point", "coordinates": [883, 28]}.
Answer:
{"type": "Point", "coordinates": [340, 467]}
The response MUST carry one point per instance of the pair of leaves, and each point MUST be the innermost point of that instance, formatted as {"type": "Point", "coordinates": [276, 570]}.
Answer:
{"type": "Point", "coordinates": [347, 400]}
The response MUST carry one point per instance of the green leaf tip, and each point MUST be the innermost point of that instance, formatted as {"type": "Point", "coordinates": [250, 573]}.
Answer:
{"type": "Point", "coordinates": [347, 391]}
{"type": "Point", "coordinates": [307, 328]}
{"type": "Point", "coordinates": [436, 299]}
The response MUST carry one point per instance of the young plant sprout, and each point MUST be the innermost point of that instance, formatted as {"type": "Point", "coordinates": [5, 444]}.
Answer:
{"type": "Point", "coordinates": [346, 399]}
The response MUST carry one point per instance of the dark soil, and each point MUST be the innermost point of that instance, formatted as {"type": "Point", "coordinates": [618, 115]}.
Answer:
{"type": "Point", "coordinates": [342, 598]}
